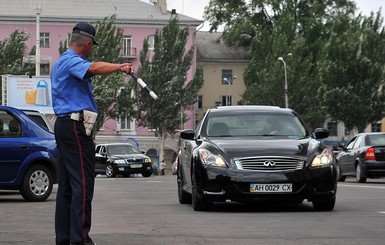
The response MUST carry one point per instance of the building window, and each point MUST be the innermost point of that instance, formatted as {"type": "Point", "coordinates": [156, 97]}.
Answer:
{"type": "Point", "coordinates": [332, 128]}
{"type": "Point", "coordinates": [376, 127]}
{"type": "Point", "coordinates": [127, 46]}
{"type": "Point", "coordinates": [200, 102]}
{"type": "Point", "coordinates": [226, 100]}
{"type": "Point", "coordinates": [227, 77]}
{"type": "Point", "coordinates": [151, 42]}
{"type": "Point", "coordinates": [44, 69]}
{"type": "Point", "coordinates": [44, 39]}
{"type": "Point", "coordinates": [125, 123]}
{"type": "Point", "coordinates": [347, 131]}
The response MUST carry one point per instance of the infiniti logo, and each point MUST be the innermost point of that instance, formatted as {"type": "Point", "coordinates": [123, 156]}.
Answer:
{"type": "Point", "coordinates": [269, 164]}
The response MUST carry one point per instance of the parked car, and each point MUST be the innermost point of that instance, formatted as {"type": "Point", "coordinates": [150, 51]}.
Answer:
{"type": "Point", "coordinates": [121, 158]}
{"type": "Point", "coordinates": [239, 153]}
{"type": "Point", "coordinates": [28, 155]}
{"type": "Point", "coordinates": [363, 157]}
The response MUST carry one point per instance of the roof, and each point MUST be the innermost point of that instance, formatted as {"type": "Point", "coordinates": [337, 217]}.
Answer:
{"type": "Point", "coordinates": [128, 11]}
{"type": "Point", "coordinates": [251, 108]}
{"type": "Point", "coordinates": [211, 48]}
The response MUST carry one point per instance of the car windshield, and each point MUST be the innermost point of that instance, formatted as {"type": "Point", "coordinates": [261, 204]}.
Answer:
{"type": "Point", "coordinates": [122, 150]}
{"type": "Point", "coordinates": [257, 124]}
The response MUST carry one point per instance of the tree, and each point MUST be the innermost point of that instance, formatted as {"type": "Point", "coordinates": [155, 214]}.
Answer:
{"type": "Point", "coordinates": [12, 52]}
{"type": "Point", "coordinates": [354, 73]}
{"type": "Point", "coordinates": [165, 71]}
{"type": "Point", "coordinates": [314, 32]}
{"type": "Point", "coordinates": [106, 88]}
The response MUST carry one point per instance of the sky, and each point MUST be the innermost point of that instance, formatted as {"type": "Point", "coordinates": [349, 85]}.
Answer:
{"type": "Point", "coordinates": [195, 8]}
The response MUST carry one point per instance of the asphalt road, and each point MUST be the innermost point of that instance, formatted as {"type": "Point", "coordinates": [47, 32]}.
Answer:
{"type": "Point", "coordinates": [141, 211]}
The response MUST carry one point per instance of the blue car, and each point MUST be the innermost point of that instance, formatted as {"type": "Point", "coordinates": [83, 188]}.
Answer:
{"type": "Point", "coordinates": [28, 155]}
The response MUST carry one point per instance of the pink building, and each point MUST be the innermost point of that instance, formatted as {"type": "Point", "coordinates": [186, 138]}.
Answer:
{"type": "Point", "coordinates": [138, 19]}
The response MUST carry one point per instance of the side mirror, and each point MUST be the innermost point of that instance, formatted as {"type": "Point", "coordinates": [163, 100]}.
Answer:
{"type": "Point", "coordinates": [98, 155]}
{"type": "Point", "coordinates": [321, 133]}
{"type": "Point", "coordinates": [187, 134]}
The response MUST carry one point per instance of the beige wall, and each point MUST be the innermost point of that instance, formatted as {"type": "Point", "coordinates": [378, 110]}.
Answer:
{"type": "Point", "coordinates": [213, 89]}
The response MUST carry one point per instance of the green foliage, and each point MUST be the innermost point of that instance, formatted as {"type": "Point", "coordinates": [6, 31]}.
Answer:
{"type": "Point", "coordinates": [12, 52]}
{"type": "Point", "coordinates": [165, 71]}
{"type": "Point", "coordinates": [337, 63]}
{"type": "Point", "coordinates": [353, 72]}
{"type": "Point", "coordinates": [63, 45]}
{"type": "Point", "coordinates": [105, 88]}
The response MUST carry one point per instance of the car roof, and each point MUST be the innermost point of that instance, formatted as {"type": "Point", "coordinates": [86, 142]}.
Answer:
{"type": "Point", "coordinates": [249, 108]}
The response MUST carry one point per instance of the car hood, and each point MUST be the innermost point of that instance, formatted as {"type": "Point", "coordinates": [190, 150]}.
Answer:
{"type": "Point", "coordinates": [128, 156]}
{"type": "Point", "coordinates": [234, 147]}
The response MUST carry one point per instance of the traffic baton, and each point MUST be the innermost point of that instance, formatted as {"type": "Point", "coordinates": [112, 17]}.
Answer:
{"type": "Point", "coordinates": [144, 85]}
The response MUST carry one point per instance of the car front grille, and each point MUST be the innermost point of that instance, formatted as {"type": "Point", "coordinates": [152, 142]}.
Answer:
{"type": "Point", "coordinates": [135, 160]}
{"type": "Point", "coordinates": [269, 164]}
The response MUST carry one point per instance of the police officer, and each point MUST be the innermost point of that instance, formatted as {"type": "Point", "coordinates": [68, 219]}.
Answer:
{"type": "Point", "coordinates": [76, 110]}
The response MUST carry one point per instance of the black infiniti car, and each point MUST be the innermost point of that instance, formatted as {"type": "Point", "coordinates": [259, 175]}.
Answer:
{"type": "Point", "coordinates": [240, 153]}
{"type": "Point", "coordinates": [123, 159]}
{"type": "Point", "coordinates": [363, 157]}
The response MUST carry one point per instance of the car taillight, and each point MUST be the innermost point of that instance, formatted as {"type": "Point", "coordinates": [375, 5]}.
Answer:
{"type": "Point", "coordinates": [370, 154]}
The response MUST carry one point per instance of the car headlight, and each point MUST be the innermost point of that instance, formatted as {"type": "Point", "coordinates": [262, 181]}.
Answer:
{"type": "Point", "coordinates": [146, 160]}
{"type": "Point", "coordinates": [323, 160]}
{"type": "Point", "coordinates": [211, 159]}
{"type": "Point", "coordinates": [120, 161]}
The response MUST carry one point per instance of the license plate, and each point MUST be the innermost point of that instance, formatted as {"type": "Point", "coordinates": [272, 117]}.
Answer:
{"type": "Point", "coordinates": [136, 165]}
{"type": "Point", "coordinates": [271, 187]}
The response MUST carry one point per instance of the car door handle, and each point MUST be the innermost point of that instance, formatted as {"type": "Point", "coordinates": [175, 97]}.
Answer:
{"type": "Point", "coordinates": [24, 147]}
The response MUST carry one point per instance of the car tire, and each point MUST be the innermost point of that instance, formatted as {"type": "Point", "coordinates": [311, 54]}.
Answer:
{"type": "Point", "coordinates": [37, 183]}
{"type": "Point", "coordinates": [183, 196]}
{"type": "Point", "coordinates": [340, 178]}
{"type": "Point", "coordinates": [146, 174]}
{"type": "Point", "coordinates": [359, 174]}
{"type": "Point", "coordinates": [324, 205]}
{"type": "Point", "coordinates": [110, 172]}
{"type": "Point", "coordinates": [198, 203]}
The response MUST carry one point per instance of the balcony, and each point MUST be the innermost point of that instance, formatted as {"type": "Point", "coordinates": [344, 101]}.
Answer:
{"type": "Point", "coordinates": [128, 53]}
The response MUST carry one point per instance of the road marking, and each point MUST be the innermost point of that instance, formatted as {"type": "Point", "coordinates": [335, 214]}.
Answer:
{"type": "Point", "coordinates": [362, 186]}
{"type": "Point", "coordinates": [381, 212]}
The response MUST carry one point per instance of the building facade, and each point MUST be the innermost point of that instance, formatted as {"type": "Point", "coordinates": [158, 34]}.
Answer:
{"type": "Point", "coordinates": [139, 21]}
{"type": "Point", "coordinates": [223, 69]}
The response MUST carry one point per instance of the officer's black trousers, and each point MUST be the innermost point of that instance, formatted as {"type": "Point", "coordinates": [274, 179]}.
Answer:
{"type": "Point", "coordinates": [76, 178]}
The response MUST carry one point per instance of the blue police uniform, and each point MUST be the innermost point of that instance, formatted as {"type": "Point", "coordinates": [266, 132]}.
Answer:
{"type": "Point", "coordinates": [72, 92]}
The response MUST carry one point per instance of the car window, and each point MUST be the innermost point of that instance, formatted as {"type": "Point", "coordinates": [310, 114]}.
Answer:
{"type": "Point", "coordinates": [103, 151]}
{"type": "Point", "coordinates": [122, 150]}
{"type": "Point", "coordinates": [351, 143]}
{"type": "Point", "coordinates": [256, 124]}
{"type": "Point", "coordinates": [9, 126]}
{"type": "Point", "coordinates": [40, 121]}
{"type": "Point", "coordinates": [375, 140]}
{"type": "Point", "coordinates": [97, 149]}
{"type": "Point", "coordinates": [358, 142]}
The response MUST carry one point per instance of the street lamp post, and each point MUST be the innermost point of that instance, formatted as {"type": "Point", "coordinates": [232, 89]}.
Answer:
{"type": "Point", "coordinates": [38, 7]}
{"type": "Point", "coordinates": [286, 86]}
